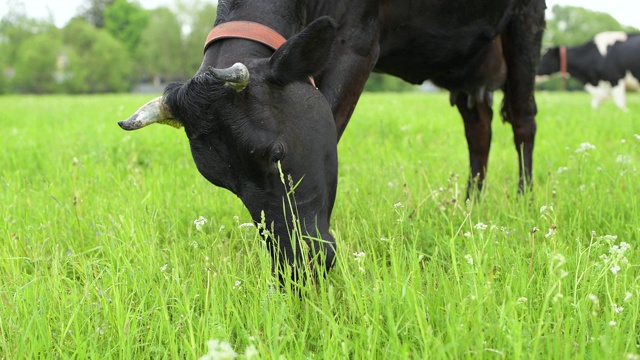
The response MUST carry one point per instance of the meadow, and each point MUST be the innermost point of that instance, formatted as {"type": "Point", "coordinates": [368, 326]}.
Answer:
{"type": "Point", "coordinates": [113, 245]}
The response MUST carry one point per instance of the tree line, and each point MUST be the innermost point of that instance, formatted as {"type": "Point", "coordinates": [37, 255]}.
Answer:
{"type": "Point", "coordinates": [113, 45]}
{"type": "Point", "coordinates": [110, 46]}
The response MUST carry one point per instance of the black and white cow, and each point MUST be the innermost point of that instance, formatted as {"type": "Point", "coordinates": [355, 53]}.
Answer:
{"type": "Point", "coordinates": [608, 65]}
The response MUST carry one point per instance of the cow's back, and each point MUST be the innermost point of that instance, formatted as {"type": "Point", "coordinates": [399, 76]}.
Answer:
{"type": "Point", "coordinates": [623, 62]}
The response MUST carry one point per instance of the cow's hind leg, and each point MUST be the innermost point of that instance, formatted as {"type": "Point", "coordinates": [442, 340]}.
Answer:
{"type": "Point", "coordinates": [521, 42]}
{"type": "Point", "coordinates": [477, 129]}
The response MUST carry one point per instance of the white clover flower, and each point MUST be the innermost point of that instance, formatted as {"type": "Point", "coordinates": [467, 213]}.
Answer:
{"type": "Point", "coordinates": [469, 259]}
{"type": "Point", "coordinates": [584, 147]}
{"type": "Point", "coordinates": [219, 350]}
{"type": "Point", "coordinates": [481, 226]}
{"type": "Point", "coordinates": [199, 222]}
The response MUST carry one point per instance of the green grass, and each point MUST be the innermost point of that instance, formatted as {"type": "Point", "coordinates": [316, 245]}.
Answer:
{"type": "Point", "coordinates": [100, 257]}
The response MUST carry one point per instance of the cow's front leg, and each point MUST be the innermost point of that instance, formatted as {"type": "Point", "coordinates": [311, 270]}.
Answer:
{"type": "Point", "coordinates": [477, 129]}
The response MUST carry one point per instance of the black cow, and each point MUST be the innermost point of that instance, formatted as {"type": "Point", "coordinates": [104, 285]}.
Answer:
{"type": "Point", "coordinates": [257, 109]}
{"type": "Point", "coordinates": [608, 65]}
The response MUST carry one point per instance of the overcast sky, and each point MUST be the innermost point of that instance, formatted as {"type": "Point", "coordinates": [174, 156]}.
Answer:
{"type": "Point", "coordinates": [627, 12]}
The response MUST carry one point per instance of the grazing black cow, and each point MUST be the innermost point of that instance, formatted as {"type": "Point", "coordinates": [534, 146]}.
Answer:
{"type": "Point", "coordinates": [608, 65]}
{"type": "Point", "coordinates": [260, 106]}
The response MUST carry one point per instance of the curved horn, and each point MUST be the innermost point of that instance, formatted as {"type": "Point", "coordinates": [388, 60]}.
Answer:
{"type": "Point", "coordinates": [152, 112]}
{"type": "Point", "coordinates": [236, 76]}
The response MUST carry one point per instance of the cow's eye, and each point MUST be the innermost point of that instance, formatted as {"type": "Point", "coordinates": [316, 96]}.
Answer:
{"type": "Point", "coordinates": [277, 152]}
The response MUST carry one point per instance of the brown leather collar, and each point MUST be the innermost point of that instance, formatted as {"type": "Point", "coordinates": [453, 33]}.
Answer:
{"type": "Point", "coordinates": [248, 30]}
{"type": "Point", "coordinates": [563, 62]}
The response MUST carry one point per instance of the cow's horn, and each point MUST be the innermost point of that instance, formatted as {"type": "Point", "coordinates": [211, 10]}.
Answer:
{"type": "Point", "coordinates": [152, 112]}
{"type": "Point", "coordinates": [236, 76]}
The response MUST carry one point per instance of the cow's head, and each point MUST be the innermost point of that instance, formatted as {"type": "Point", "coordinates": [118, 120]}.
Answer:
{"type": "Point", "coordinates": [550, 62]}
{"type": "Point", "coordinates": [258, 122]}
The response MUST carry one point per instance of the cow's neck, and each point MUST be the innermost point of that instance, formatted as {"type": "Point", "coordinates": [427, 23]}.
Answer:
{"type": "Point", "coordinates": [287, 17]}
{"type": "Point", "coordinates": [288, 20]}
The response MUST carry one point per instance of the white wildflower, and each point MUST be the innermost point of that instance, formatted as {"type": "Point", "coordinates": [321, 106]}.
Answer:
{"type": "Point", "coordinates": [163, 268]}
{"type": "Point", "coordinates": [199, 222]}
{"type": "Point", "coordinates": [358, 257]}
{"type": "Point", "coordinates": [481, 226]}
{"type": "Point", "coordinates": [637, 137]}
{"type": "Point", "coordinates": [610, 237]}
{"type": "Point", "coordinates": [617, 309]}
{"type": "Point", "coordinates": [397, 205]}
{"type": "Point", "coordinates": [244, 225]}
{"type": "Point", "coordinates": [469, 259]}
{"type": "Point", "coordinates": [237, 285]}
{"type": "Point", "coordinates": [632, 356]}
{"type": "Point", "coordinates": [627, 296]}
{"type": "Point", "coordinates": [562, 169]}
{"type": "Point", "coordinates": [467, 234]}
{"type": "Point", "coordinates": [594, 299]}
{"type": "Point", "coordinates": [624, 159]}
{"type": "Point", "coordinates": [615, 269]}
{"type": "Point", "coordinates": [219, 350]}
{"type": "Point", "coordinates": [559, 259]}
{"type": "Point", "coordinates": [522, 300]}
{"type": "Point", "coordinates": [251, 352]}
{"type": "Point", "coordinates": [551, 232]}
{"type": "Point", "coordinates": [584, 147]}
{"type": "Point", "coordinates": [612, 323]}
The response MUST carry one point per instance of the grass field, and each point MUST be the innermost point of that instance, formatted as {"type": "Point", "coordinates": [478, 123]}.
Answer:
{"type": "Point", "coordinates": [100, 256]}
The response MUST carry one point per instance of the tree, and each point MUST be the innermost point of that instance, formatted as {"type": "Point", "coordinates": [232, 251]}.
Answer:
{"type": "Point", "coordinates": [126, 21]}
{"type": "Point", "coordinates": [160, 40]}
{"type": "Point", "coordinates": [570, 25]}
{"type": "Point", "coordinates": [37, 64]}
{"type": "Point", "coordinates": [98, 63]}
{"type": "Point", "coordinates": [93, 11]}
{"type": "Point", "coordinates": [201, 23]}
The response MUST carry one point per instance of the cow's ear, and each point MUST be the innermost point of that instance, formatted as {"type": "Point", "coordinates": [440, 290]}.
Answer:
{"type": "Point", "coordinates": [305, 54]}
